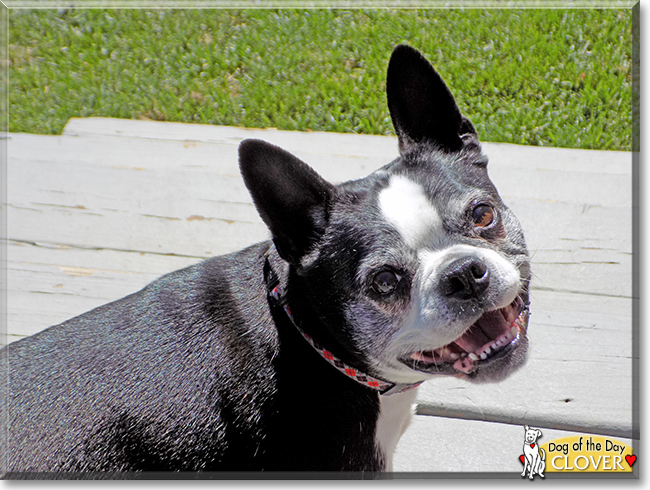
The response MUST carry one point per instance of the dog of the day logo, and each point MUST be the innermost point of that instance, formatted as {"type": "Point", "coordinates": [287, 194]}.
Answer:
{"type": "Point", "coordinates": [574, 454]}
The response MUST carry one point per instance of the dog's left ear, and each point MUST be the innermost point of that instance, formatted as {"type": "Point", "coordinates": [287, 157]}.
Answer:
{"type": "Point", "coordinates": [421, 106]}
{"type": "Point", "coordinates": [292, 199]}
{"type": "Point", "coordinates": [539, 433]}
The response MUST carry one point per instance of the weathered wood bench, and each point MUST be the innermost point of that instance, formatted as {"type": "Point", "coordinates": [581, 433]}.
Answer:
{"type": "Point", "coordinates": [108, 206]}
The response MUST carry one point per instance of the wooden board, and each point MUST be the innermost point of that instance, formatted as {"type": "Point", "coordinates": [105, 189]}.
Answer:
{"type": "Point", "coordinates": [110, 205]}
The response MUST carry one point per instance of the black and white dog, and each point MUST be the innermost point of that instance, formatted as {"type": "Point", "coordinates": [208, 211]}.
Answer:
{"type": "Point", "coordinates": [301, 353]}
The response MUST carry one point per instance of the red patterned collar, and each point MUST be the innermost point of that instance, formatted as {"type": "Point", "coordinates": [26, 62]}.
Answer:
{"type": "Point", "coordinates": [383, 387]}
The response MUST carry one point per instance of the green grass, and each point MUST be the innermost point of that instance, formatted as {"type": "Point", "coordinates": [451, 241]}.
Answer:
{"type": "Point", "coordinates": [536, 77]}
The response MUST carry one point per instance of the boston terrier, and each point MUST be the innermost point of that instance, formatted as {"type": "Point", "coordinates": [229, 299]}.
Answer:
{"type": "Point", "coordinates": [301, 353]}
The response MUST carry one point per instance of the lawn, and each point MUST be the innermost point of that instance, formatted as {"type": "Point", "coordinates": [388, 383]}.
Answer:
{"type": "Point", "coordinates": [551, 77]}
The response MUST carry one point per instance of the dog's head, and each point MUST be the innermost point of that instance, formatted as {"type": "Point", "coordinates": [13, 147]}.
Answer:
{"type": "Point", "coordinates": [418, 269]}
{"type": "Point", "coordinates": [532, 435]}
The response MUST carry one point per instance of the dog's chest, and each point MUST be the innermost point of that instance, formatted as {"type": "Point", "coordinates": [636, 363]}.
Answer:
{"type": "Point", "coordinates": [395, 412]}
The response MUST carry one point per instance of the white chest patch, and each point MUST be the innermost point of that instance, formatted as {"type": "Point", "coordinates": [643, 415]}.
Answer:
{"type": "Point", "coordinates": [407, 208]}
{"type": "Point", "coordinates": [395, 412]}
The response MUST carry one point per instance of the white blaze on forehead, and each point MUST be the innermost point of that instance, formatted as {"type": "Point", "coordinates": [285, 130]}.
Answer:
{"type": "Point", "coordinates": [407, 208]}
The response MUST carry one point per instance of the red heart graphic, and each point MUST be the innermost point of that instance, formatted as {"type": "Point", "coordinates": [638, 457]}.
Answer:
{"type": "Point", "coordinates": [522, 458]}
{"type": "Point", "coordinates": [532, 445]}
{"type": "Point", "coordinates": [630, 458]}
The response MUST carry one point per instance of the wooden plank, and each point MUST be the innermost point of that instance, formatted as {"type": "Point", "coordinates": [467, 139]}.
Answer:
{"type": "Point", "coordinates": [109, 206]}
{"type": "Point", "coordinates": [201, 207]}
{"type": "Point", "coordinates": [556, 175]}
{"type": "Point", "coordinates": [307, 142]}
{"type": "Point", "coordinates": [587, 161]}
{"type": "Point", "coordinates": [578, 248]}
{"type": "Point", "coordinates": [50, 284]}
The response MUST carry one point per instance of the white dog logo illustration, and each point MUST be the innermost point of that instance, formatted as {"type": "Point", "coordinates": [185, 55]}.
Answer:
{"type": "Point", "coordinates": [534, 458]}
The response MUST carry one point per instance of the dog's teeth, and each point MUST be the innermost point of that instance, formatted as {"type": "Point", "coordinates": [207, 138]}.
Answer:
{"type": "Point", "coordinates": [453, 356]}
{"type": "Point", "coordinates": [512, 316]}
{"type": "Point", "coordinates": [488, 351]}
{"type": "Point", "coordinates": [473, 356]}
{"type": "Point", "coordinates": [507, 313]}
{"type": "Point", "coordinates": [514, 331]}
{"type": "Point", "coordinates": [483, 356]}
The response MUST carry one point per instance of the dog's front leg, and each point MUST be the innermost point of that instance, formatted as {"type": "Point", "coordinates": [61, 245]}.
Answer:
{"type": "Point", "coordinates": [526, 463]}
{"type": "Point", "coordinates": [533, 466]}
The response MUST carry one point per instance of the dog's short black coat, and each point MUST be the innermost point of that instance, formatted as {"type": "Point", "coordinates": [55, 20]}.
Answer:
{"type": "Point", "coordinates": [171, 378]}
{"type": "Point", "coordinates": [200, 371]}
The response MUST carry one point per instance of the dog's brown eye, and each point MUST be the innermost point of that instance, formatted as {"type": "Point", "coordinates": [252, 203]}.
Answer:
{"type": "Point", "coordinates": [385, 282]}
{"type": "Point", "coordinates": [483, 215]}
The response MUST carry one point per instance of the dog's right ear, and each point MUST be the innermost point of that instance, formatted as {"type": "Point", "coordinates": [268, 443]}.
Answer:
{"type": "Point", "coordinates": [422, 108]}
{"type": "Point", "coordinates": [292, 199]}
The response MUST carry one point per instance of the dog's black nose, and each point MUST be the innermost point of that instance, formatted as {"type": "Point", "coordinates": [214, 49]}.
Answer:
{"type": "Point", "coordinates": [465, 278]}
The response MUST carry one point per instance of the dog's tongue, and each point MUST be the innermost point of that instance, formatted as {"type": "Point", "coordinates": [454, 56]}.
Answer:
{"type": "Point", "coordinates": [490, 327]}
{"type": "Point", "coordinates": [472, 340]}
{"type": "Point", "coordinates": [493, 331]}
{"type": "Point", "coordinates": [495, 323]}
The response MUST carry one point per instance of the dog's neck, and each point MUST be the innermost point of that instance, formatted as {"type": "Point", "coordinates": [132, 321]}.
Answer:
{"type": "Point", "coordinates": [275, 289]}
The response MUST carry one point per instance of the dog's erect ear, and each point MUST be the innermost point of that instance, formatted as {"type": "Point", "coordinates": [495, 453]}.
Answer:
{"type": "Point", "coordinates": [421, 106]}
{"type": "Point", "coordinates": [292, 199]}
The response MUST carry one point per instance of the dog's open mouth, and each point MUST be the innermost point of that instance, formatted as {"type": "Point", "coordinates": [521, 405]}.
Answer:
{"type": "Point", "coordinates": [491, 337]}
